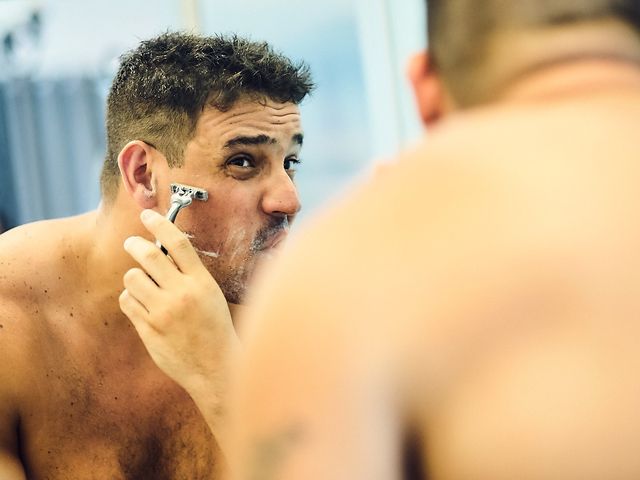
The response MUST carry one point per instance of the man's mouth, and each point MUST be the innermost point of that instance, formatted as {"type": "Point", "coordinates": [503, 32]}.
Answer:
{"type": "Point", "coordinates": [271, 237]}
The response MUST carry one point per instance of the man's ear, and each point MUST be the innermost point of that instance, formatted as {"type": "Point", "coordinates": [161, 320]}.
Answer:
{"type": "Point", "coordinates": [427, 88]}
{"type": "Point", "coordinates": [136, 169]}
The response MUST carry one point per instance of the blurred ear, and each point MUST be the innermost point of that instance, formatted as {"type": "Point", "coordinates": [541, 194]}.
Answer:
{"type": "Point", "coordinates": [136, 168]}
{"type": "Point", "coordinates": [427, 88]}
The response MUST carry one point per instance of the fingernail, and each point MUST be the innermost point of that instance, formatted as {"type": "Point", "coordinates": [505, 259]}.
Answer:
{"type": "Point", "coordinates": [146, 215]}
{"type": "Point", "coordinates": [128, 242]}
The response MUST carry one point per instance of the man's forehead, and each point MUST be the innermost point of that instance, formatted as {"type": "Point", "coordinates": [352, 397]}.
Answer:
{"type": "Point", "coordinates": [253, 123]}
{"type": "Point", "coordinates": [248, 109]}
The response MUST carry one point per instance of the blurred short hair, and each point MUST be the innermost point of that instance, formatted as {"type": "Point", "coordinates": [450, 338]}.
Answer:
{"type": "Point", "coordinates": [460, 31]}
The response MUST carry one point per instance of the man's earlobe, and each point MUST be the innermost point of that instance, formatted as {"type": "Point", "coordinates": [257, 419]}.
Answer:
{"type": "Point", "coordinates": [135, 162]}
{"type": "Point", "coordinates": [427, 88]}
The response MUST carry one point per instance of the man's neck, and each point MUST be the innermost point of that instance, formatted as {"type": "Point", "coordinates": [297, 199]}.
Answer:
{"type": "Point", "coordinates": [564, 60]}
{"type": "Point", "coordinates": [107, 261]}
{"type": "Point", "coordinates": [577, 77]}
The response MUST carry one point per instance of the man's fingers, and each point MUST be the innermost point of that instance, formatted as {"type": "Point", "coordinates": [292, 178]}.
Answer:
{"type": "Point", "coordinates": [138, 315]}
{"type": "Point", "coordinates": [171, 238]}
{"type": "Point", "coordinates": [152, 260]}
{"type": "Point", "coordinates": [141, 288]}
{"type": "Point", "coordinates": [132, 308]}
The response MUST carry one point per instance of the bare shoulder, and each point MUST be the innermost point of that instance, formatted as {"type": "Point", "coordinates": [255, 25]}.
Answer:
{"type": "Point", "coordinates": [478, 236]}
{"type": "Point", "coordinates": [23, 278]}
{"type": "Point", "coordinates": [31, 257]}
{"type": "Point", "coordinates": [477, 218]}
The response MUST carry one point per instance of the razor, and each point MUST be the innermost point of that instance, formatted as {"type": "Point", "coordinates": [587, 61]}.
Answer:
{"type": "Point", "coordinates": [182, 196]}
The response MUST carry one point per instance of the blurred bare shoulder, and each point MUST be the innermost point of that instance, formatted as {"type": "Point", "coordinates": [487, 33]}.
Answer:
{"type": "Point", "coordinates": [480, 236]}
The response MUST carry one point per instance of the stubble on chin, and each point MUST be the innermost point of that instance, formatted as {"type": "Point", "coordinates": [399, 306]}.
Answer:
{"type": "Point", "coordinates": [232, 280]}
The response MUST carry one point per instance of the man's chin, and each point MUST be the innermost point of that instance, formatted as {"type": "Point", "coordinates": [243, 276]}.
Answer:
{"type": "Point", "coordinates": [234, 297]}
{"type": "Point", "coordinates": [236, 285]}
{"type": "Point", "coordinates": [234, 291]}
{"type": "Point", "coordinates": [234, 288]}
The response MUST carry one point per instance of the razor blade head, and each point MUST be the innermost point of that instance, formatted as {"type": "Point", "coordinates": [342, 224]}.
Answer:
{"type": "Point", "coordinates": [189, 191]}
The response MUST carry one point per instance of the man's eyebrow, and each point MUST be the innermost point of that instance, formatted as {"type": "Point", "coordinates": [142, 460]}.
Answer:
{"type": "Point", "coordinates": [248, 140]}
{"type": "Point", "coordinates": [260, 140]}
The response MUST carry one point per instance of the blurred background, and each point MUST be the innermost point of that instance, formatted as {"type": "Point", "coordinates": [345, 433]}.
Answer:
{"type": "Point", "coordinates": [57, 59]}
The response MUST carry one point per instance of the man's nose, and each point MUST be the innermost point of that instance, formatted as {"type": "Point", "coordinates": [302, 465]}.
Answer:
{"type": "Point", "coordinates": [281, 196]}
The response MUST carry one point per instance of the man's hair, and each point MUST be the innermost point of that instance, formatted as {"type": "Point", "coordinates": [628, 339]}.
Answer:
{"type": "Point", "coordinates": [164, 84]}
{"type": "Point", "coordinates": [460, 31]}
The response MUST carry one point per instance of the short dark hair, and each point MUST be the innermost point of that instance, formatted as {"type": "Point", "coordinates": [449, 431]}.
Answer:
{"type": "Point", "coordinates": [163, 85]}
{"type": "Point", "coordinates": [459, 30]}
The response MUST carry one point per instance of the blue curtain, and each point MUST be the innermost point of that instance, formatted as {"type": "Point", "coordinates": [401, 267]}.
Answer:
{"type": "Point", "coordinates": [51, 147]}
{"type": "Point", "coordinates": [8, 204]}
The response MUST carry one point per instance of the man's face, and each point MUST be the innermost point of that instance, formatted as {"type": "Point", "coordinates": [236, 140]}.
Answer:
{"type": "Point", "coordinates": [246, 159]}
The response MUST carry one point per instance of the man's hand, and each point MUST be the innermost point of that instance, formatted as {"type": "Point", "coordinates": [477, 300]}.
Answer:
{"type": "Point", "coordinates": [181, 316]}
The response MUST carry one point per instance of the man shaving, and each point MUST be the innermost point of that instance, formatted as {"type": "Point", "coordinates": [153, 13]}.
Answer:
{"type": "Point", "coordinates": [79, 395]}
{"type": "Point", "coordinates": [484, 320]}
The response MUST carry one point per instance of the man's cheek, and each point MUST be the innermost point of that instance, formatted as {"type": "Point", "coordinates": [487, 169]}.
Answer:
{"type": "Point", "coordinates": [207, 242]}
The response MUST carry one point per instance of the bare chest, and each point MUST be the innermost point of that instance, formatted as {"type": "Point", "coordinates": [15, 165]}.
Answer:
{"type": "Point", "coordinates": [101, 409]}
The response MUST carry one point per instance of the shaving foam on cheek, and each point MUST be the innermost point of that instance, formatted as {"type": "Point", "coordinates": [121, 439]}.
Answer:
{"type": "Point", "coordinates": [201, 252]}
{"type": "Point", "coordinates": [207, 254]}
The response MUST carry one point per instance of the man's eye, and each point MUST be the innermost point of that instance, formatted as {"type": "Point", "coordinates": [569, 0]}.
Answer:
{"type": "Point", "coordinates": [291, 163]}
{"type": "Point", "coordinates": [243, 162]}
